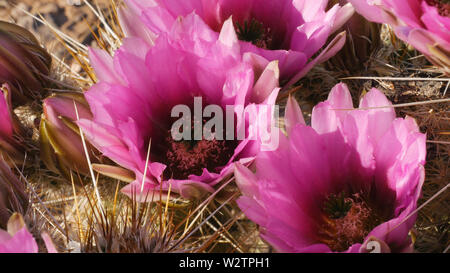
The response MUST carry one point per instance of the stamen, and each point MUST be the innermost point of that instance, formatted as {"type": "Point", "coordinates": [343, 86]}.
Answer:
{"type": "Point", "coordinates": [443, 6]}
{"type": "Point", "coordinates": [187, 157]}
{"type": "Point", "coordinates": [347, 221]}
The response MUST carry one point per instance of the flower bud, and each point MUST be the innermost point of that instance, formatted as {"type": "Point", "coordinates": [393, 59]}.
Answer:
{"type": "Point", "coordinates": [24, 64]}
{"type": "Point", "coordinates": [61, 144]}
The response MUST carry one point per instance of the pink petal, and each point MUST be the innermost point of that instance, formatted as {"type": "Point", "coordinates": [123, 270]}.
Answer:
{"type": "Point", "coordinates": [135, 46]}
{"type": "Point", "coordinates": [21, 242]}
{"type": "Point", "coordinates": [285, 217]}
{"type": "Point", "coordinates": [436, 23]}
{"type": "Point", "coordinates": [310, 9]}
{"type": "Point", "coordinates": [240, 10]}
{"type": "Point", "coordinates": [293, 115]}
{"type": "Point", "coordinates": [109, 144]}
{"type": "Point", "coordinates": [246, 180]}
{"type": "Point", "coordinates": [332, 48]}
{"type": "Point", "coordinates": [48, 243]}
{"type": "Point", "coordinates": [266, 83]}
{"type": "Point", "coordinates": [342, 16]}
{"type": "Point", "coordinates": [228, 35]}
{"type": "Point", "coordinates": [252, 210]}
{"type": "Point", "coordinates": [380, 119]}
{"type": "Point", "coordinates": [102, 63]}
{"type": "Point", "coordinates": [158, 19]}
{"type": "Point", "coordinates": [132, 26]}
{"type": "Point", "coordinates": [370, 11]}
{"type": "Point", "coordinates": [400, 155]}
{"type": "Point", "coordinates": [329, 115]}
{"type": "Point", "coordinates": [257, 62]}
{"type": "Point", "coordinates": [407, 10]}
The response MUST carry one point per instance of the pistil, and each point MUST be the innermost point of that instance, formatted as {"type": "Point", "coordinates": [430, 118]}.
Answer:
{"type": "Point", "coordinates": [255, 32]}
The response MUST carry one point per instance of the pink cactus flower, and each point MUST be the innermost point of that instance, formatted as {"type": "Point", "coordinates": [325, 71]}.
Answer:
{"type": "Point", "coordinates": [290, 31]}
{"type": "Point", "coordinates": [17, 239]}
{"type": "Point", "coordinates": [137, 90]}
{"type": "Point", "coordinates": [425, 24]}
{"type": "Point", "coordinates": [348, 183]}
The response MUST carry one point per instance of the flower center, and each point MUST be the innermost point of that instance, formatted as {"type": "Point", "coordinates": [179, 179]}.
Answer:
{"type": "Point", "coordinates": [186, 157]}
{"type": "Point", "coordinates": [347, 221]}
{"type": "Point", "coordinates": [256, 33]}
{"type": "Point", "coordinates": [443, 6]}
